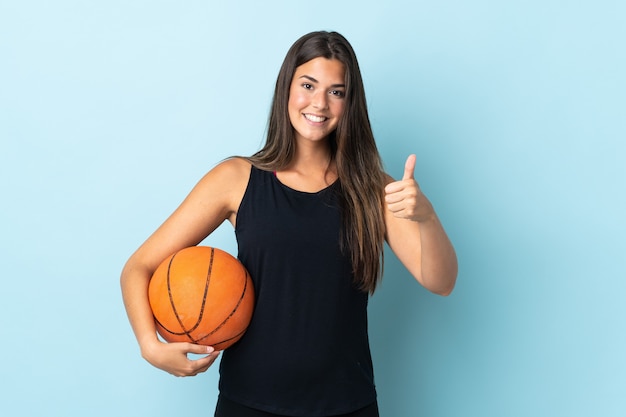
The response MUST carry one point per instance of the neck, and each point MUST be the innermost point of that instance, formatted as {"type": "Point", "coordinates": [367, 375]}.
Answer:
{"type": "Point", "coordinates": [311, 169]}
{"type": "Point", "coordinates": [312, 157]}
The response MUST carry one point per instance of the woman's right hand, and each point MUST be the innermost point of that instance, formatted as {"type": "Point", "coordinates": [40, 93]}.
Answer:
{"type": "Point", "coordinates": [174, 357]}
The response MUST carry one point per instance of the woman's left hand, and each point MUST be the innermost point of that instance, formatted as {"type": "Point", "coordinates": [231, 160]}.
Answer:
{"type": "Point", "coordinates": [405, 199]}
{"type": "Point", "coordinates": [421, 244]}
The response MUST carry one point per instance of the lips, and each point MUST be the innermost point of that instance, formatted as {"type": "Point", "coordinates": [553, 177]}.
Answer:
{"type": "Point", "coordinates": [315, 119]}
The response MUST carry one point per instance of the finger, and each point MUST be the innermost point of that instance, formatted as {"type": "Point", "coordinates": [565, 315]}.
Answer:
{"type": "Point", "coordinates": [200, 349]}
{"type": "Point", "coordinates": [394, 187]}
{"type": "Point", "coordinates": [212, 358]}
{"type": "Point", "coordinates": [195, 366]}
{"type": "Point", "coordinates": [409, 167]}
{"type": "Point", "coordinates": [206, 362]}
{"type": "Point", "coordinates": [393, 197]}
{"type": "Point", "coordinates": [199, 354]}
{"type": "Point", "coordinates": [395, 208]}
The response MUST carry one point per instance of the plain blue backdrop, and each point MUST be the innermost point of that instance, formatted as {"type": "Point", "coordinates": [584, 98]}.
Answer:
{"type": "Point", "coordinates": [111, 111]}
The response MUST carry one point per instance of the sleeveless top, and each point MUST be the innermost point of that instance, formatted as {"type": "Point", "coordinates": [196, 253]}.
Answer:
{"type": "Point", "coordinates": [306, 351]}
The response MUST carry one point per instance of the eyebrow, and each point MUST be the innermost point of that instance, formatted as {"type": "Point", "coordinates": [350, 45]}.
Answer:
{"type": "Point", "coordinates": [308, 77]}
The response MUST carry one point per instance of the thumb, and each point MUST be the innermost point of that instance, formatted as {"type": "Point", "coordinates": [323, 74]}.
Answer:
{"type": "Point", "coordinates": [409, 167]}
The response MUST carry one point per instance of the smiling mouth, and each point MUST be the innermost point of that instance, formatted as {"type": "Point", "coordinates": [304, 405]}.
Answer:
{"type": "Point", "coordinates": [314, 118]}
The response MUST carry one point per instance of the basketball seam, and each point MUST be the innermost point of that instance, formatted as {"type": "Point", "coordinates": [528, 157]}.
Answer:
{"type": "Point", "coordinates": [173, 305]}
{"type": "Point", "coordinates": [232, 313]}
{"type": "Point", "coordinates": [186, 332]}
{"type": "Point", "coordinates": [237, 336]}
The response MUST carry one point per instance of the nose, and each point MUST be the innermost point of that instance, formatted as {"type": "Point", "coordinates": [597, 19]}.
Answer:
{"type": "Point", "coordinates": [320, 100]}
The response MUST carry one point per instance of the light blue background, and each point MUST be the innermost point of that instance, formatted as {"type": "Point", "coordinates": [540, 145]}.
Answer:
{"type": "Point", "coordinates": [111, 111]}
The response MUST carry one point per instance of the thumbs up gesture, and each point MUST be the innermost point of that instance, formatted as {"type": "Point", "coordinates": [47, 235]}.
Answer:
{"type": "Point", "coordinates": [405, 199]}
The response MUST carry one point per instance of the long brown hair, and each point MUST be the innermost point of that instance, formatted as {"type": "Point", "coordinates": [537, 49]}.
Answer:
{"type": "Point", "coordinates": [358, 162]}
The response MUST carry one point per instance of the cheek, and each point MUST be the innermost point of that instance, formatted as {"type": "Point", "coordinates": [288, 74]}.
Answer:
{"type": "Point", "coordinates": [296, 101]}
{"type": "Point", "coordinates": [339, 108]}
{"type": "Point", "coordinates": [292, 109]}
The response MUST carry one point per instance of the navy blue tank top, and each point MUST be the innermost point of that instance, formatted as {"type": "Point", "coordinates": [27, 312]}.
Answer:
{"type": "Point", "coordinates": [306, 351]}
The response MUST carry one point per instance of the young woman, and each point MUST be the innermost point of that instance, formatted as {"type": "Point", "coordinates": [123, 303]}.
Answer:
{"type": "Point", "coordinates": [311, 211]}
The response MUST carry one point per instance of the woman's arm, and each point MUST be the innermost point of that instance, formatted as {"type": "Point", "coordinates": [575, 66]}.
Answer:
{"type": "Point", "coordinates": [416, 236]}
{"type": "Point", "coordinates": [214, 199]}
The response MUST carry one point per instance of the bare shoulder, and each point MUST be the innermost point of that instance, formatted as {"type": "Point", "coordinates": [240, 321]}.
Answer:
{"type": "Point", "coordinates": [226, 184]}
{"type": "Point", "coordinates": [231, 172]}
{"type": "Point", "coordinates": [215, 198]}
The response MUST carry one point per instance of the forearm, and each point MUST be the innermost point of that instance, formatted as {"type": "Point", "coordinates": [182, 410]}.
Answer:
{"type": "Point", "coordinates": [423, 247]}
{"type": "Point", "coordinates": [439, 266]}
{"type": "Point", "coordinates": [134, 283]}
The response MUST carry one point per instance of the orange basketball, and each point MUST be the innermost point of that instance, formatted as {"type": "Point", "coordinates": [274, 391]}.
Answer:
{"type": "Point", "coordinates": [201, 295]}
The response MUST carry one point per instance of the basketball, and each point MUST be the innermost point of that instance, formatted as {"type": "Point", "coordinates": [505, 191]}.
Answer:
{"type": "Point", "coordinates": [201, 295]}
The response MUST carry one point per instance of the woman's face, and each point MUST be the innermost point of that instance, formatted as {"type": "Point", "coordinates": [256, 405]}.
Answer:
{"type": "Point", "coordinates": [317, 98]}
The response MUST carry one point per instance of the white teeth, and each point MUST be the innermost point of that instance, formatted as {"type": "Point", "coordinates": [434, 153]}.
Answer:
{"type": "Point", "coordinates": [313, 118]}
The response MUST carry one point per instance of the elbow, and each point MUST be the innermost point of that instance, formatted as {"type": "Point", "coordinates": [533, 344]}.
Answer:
{"type": "Point", "coordinates": [131, 272]}
{"type": "Point", "coordinates": [450, 278]}
{"type": "Point", "coordinates": [124, 275]}
{"type": "Point", "coordinates": [445, 283]}
{"type": "Point", "coordinates": [444, 292]}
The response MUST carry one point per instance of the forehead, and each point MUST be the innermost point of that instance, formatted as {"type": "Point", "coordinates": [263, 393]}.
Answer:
{"type": "Point", "coordinates": [323, 70]}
